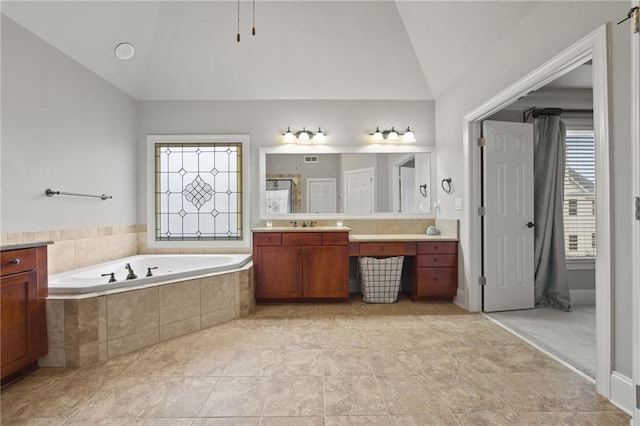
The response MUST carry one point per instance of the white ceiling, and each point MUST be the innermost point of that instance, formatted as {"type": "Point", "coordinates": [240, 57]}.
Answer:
{"type": "Point", "coordinates": [302, 50]}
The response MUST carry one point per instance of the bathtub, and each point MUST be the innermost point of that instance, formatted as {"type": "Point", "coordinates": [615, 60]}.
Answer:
{"type": "Point", "coordinates": [167, 268]}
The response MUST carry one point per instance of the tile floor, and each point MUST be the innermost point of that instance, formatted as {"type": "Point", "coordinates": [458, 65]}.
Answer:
{"type": "Point", "coordinates": [326, 364]}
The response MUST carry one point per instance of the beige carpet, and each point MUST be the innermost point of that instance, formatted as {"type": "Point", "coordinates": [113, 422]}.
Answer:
{"type": "Point", "coordinates": [571, 336]}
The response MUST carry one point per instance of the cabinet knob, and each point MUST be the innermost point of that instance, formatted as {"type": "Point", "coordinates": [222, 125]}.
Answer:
{"type": "Point", "coordinates": [435, 247]}
{"type": "Point", "coordinates": [435, 279]}
{"type": "Point", "coordinates": [435, 260]}
{"type": "Point", "coordinates": [14, 261]}
{"type": "Point", "coordinates": [268, 239]}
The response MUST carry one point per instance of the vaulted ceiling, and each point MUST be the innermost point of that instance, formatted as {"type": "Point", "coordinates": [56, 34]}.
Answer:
{"type": "Point", "coordinates": [187, 50]}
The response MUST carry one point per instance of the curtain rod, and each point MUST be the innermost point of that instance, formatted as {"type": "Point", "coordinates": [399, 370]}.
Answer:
{"type": "Point", "coordinates": [536, 112]}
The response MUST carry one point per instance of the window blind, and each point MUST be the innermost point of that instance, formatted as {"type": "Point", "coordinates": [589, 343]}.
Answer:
{"type": "Point", "coordinates": [579, 195]}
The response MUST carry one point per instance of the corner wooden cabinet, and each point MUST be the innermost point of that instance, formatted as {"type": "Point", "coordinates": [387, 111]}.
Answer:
{"type": "Point", "coordinates": [23, 290]}
{"type": "Point", "coordinates": [301, 266]}
{"type": "Point", "coordinates": [436, 271]}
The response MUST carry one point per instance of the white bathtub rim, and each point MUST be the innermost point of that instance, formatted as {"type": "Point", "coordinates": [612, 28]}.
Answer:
{"type": "Point", "coordinates": [247, 264]}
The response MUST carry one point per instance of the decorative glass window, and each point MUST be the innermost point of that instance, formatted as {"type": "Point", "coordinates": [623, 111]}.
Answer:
{"type": "Point", "coordinates": [198, 192]}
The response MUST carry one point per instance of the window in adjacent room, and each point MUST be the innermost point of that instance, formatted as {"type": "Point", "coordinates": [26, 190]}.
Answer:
{"type": "Point", "coordinates": [199, 195]}
{"type": "Point", "coordinates": [579, 195]}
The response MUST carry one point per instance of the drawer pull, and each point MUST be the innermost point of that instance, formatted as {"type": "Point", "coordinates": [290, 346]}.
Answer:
{"type": "Point", "coordinates": [14, 261]}
{"type": "Point", "coordinates": [268, 239]}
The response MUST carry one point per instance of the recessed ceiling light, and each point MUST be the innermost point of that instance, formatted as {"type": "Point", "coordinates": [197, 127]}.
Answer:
{"type": "Point", "coordinates": [125, 51]}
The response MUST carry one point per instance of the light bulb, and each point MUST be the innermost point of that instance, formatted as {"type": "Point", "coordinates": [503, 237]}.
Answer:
{"type": "Point", "coordinates": [319, 137]}
{"type": "Point", "coordinates": [289, 137]}
{"type": "Point", "coordinates": [377, 136]}
{"type": "Point", "coordinates": [408, 137]}
{"type": "Point", "coordinates": [303, 136]}
{"type": "Point", "coordinates": [393, 135]}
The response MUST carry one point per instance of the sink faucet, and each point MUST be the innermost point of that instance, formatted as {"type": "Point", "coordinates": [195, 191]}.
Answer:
{"type": "Point", "coordinates": [130, 275]}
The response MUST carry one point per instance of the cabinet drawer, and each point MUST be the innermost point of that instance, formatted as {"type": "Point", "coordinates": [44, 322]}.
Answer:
{"type": "Point", "coordinates": [437, 282]}
{"type": "Point", "coordinates": [301, 238]}
{"type": "Point", "coordinates": [437, 247]}
{"type": "Point", "coordinates": [268, 239]}
{"type": "Point", "coordinates": [436, 260]}
{"type": "Point", "coordinates": [387, 249]}
{"type": "Point", "coordinates": [15, 261]}
{"type": "Point", "coordinates": [335, 238]}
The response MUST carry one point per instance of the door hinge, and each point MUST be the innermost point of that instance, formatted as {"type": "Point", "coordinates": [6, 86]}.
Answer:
{"type": "Point", "coordinates": [482, 211]}
{"type": "Point", "coordinates": [482, 280]}
{"type": "Point", "coordinates": [637, 208]}
{"type": "Point", "coordinates": [482, 141]}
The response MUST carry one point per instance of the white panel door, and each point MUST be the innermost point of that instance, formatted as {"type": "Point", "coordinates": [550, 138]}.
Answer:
{"type": "Point", "coordinates": [508, 199]}
{"type": "Point", "coordinates": [408, 189]}
{"type": "Point", "coordinates": [359, 190]}
{"type": "Point", "coordinates": [321, 195]}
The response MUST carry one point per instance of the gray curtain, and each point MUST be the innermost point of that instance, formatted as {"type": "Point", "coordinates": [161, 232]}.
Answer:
{"type": "Point", "coordinates": [551, 282]}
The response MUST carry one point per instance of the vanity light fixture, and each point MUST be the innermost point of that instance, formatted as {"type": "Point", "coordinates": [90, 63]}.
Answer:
{"type": "Point", "coordinates": [379, 136]}
{"type": "Point", "coordinates": [304, 136]}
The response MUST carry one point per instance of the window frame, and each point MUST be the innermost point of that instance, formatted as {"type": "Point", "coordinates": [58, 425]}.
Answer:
{"type": "Point", "coordinates": [244, 140]}
{"type": "Point", "coordinates": [581, 262]}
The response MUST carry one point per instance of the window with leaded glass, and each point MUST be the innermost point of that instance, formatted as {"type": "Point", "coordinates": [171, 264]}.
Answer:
{"type": "Point", "coordinates": [198, 191]}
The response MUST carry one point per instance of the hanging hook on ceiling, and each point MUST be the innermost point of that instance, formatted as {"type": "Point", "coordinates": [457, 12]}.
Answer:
{"type": "Point", "coordinates": [527, 114]}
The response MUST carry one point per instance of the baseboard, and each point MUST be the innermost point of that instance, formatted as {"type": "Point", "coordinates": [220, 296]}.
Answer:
{"type": "Point", "coordinates": [622, 394]}
{"type": "Point", "coordinates": [460, 299]}
{"type": "Point", "coordinates": [582, 296]}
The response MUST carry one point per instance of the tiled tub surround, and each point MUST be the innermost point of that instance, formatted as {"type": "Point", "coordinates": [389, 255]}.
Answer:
{"type": "Point", "coordinates": [86, 329]}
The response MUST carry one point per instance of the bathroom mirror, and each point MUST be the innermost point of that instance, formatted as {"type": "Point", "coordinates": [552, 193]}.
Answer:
{"type": "Point", "coordinates": [312, 180]}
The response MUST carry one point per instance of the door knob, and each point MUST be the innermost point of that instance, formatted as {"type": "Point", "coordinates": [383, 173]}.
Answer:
{"type": "Point", "coordinates": [530, 225]}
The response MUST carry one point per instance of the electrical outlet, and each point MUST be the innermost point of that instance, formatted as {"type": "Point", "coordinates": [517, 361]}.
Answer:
{"type": "Point", "coordinates": [458, 201]}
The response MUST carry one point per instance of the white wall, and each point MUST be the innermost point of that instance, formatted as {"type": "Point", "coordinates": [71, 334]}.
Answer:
{"type": "Point", "coordinates": [346, 122]}
{"type": "Point", "coordinates": [64, 128]}
{"type": "Point", "coordinates": [550, 28]}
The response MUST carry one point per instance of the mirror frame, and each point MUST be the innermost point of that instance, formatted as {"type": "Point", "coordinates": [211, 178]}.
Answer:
{"type": "Point", "coordinates": [325, 149]}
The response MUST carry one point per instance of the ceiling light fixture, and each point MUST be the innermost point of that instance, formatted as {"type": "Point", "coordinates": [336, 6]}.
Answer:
{"type": "Point", "coordinates": [379, 136]}
{"type": "Point", "coordinates": [125, 51]}
{"type": "Point", "coordinates": [304, 136]}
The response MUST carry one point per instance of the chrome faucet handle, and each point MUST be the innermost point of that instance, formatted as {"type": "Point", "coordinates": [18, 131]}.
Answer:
{"type": "Point", "coordinates": [295, 224]}
{"type": "Point", "coordinates": [112, 277]}
{"type": "Point", "coordinates": [313, 222]}
{"type": "Point", "coordinates": [304, 224]}
{"type": "Point", "coordinates": [149, 274]}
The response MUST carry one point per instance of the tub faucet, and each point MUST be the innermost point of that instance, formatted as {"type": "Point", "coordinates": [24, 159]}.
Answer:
{"type": "Point", "coordinates": [130, 275]}
{"type": "Point", "coordinates": [149, 273]}
{"type": "Point", "coordinates": [112, 277]}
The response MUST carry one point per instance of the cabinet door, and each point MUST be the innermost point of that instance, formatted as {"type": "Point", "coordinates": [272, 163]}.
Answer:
{"type": "Point", "coordinates": [325, 271]}
{"type": "Point", "coordinates": [280, 272]}
{"type": "Point", "coordinates": [19, 310]}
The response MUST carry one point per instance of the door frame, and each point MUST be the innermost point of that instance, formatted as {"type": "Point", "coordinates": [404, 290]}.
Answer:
{"type": "Point", "coordinates": [635, 273]}
{"type": "Point", "coordinates": [592, 47]}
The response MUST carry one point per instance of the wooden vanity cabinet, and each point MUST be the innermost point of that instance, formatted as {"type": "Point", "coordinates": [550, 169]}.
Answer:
{"type": "Point", "coordinates": [301, 265]}
{"type": "Point", "coordinates": [436, 271]}
{"type": "Point", "coordinates": [23, 290]}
